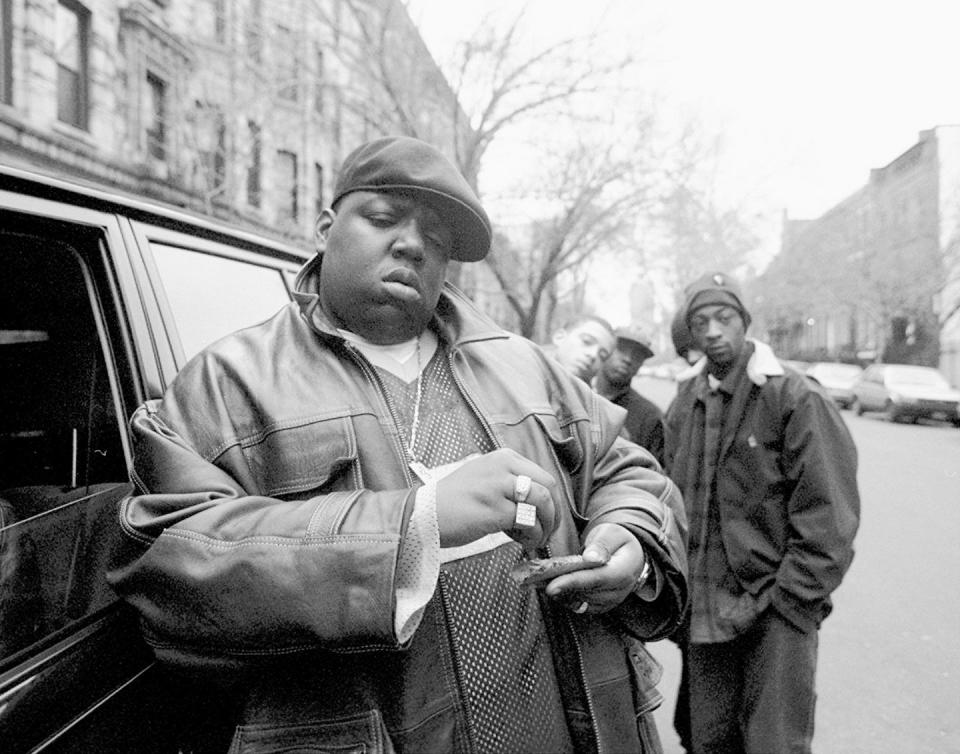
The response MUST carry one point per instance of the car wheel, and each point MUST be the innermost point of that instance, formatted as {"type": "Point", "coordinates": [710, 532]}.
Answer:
{"type": "Point", "coordinates": [891, 412]}
{"type": "Point", "coordinates": [857, 407]}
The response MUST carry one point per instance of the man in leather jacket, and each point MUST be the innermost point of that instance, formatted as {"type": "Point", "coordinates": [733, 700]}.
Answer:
{"type": "Point", "coordinates": [329, 506]}
{"type": "Point", "coordinates": [768, 472]}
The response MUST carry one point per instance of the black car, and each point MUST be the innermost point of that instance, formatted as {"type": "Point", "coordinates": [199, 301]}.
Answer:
{"type": "Point", "coordinates": [102, 300]}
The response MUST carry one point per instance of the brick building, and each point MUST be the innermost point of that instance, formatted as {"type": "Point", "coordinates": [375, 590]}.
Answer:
{"type": "Point", "coordinates": [238, 108]}
{"type": "Point", "coordinates": [877, 277]}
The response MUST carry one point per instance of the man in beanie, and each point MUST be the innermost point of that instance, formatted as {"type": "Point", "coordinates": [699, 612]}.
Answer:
{"type": "Point", "coordinates": [644, 424]}
{"type": "Point", "coordinates": [329, 507]}
{"type": "Point", "coordinates": [768, 470]}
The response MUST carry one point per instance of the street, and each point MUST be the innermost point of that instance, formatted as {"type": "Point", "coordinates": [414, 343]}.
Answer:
{"type": "Point", "coordinates": [889, 670]}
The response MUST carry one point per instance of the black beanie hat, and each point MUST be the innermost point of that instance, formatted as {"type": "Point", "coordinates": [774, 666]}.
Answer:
{"type": "Point", "coordinates": [714, 288]}
{"type": "Point", "coordinates": [407, 165]}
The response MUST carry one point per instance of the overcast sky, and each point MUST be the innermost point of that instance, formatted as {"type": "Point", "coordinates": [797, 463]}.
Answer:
{"type": "Point", "coordinates": [808, 95]}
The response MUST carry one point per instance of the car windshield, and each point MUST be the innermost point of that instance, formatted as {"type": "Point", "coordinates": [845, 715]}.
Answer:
{"type": "Point", "coordinates": [921, 376]}
{"type": "Point", "coordinates": [837, 371]}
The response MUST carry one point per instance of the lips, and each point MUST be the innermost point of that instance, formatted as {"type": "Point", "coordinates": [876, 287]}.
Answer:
{"type": "Point", "coordinates": [403, 283]}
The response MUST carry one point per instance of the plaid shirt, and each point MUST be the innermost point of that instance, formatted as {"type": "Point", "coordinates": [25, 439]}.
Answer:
{"type": "Point", "coordinates": [720, 608]}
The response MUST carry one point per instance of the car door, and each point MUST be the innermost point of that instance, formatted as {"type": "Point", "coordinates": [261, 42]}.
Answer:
{"type": "Point", "coordinates": [74, 674]}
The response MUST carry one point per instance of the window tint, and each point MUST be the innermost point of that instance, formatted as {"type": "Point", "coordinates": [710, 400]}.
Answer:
{"type": "Point", "coordinates": [62, 465]}
{"type": "Point", "coordinates": [212, 296]}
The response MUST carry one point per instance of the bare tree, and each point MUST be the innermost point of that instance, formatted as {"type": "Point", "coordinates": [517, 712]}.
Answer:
{"type": "Point", "coordinates": [594, 195]}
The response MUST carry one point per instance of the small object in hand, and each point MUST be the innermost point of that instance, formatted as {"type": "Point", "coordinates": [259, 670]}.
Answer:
{"type": "Point", "coordinates": [538, 572]}
{"type": "Point", "coordinates": [526, 516]}
{"type": "Point", "coordinates": [521, 488]}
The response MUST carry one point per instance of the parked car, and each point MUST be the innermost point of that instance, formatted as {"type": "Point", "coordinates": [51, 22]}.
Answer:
{"type": "Point", "coordinates": [102, 299]}
{"type": "Point", "coordinates": [906, 392]}
{"type": "Point", "coordinates": [837, 379]}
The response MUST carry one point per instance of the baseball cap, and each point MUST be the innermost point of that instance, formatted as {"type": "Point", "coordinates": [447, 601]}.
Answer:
{"type": "Point", "coordinates": [635, 334]}
{"type": "Point", "coordinates": [406, 165]}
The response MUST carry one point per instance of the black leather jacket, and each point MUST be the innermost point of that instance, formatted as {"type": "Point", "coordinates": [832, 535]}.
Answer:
{"type": "Point", "coordinates": [271, 502]}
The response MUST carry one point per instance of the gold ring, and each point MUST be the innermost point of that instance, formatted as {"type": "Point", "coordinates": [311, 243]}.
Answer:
{"type": "Point", "coordinates": [526, 516]}
{"type": "Point", "coordinates": [581, 608]}
{"type": "Point", "coordinates": [521, 488]}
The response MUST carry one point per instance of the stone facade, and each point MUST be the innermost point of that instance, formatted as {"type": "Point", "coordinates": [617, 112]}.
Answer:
{"type": "Point", "coordinates": [242, 109]}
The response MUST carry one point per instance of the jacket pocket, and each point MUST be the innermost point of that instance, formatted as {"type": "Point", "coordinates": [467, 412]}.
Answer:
{"type": "Point", "coordinates": [646, 673]}
{"type": "Point", "coordinates": [298, 457]}
{"type": "Point", "coordinates": [359, 734]}
{"type": "Point", "coordinates": [565, 443]}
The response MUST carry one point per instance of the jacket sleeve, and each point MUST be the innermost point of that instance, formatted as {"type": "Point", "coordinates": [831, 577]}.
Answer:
{"type": "Point", "coordinates": [628, 488]}
{"type": "Point", "coordinates": [220, 574]}
{"type": "Point", "coordinates": [820, 461]}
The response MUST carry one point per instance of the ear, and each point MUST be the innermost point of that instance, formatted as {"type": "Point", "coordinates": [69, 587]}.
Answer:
{"type": "Point", "coordinates": [558, 336]}
{"type": "Point", "coordinates": [322, 228]}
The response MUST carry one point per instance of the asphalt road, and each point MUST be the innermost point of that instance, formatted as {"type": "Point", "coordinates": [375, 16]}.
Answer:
{"type": "Point", "coordinates": [889, 672]}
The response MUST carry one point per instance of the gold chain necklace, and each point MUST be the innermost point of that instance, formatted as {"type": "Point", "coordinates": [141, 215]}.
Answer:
{"type": "Point", "coordinates": [417, 466]}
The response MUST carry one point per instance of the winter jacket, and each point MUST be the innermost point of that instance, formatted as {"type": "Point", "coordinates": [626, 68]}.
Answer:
{"type": "Point", "coordinates": [786, 484]}
{"type": "Point", "coordinates": [271, 501]}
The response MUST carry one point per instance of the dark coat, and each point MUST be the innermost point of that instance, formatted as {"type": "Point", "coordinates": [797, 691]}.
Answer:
{"type": "Point", "coordinates": [786, 483]}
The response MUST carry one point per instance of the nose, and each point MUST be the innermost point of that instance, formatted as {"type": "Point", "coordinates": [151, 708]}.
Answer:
{"type": "Point", "coordinates": [713, 329]}
{"type": "Point", "coordinates": [409, 241]}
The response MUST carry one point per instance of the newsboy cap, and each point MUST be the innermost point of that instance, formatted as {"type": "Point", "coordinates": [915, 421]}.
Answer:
{"type": "Point", "coordinates": [715, 288]}
{"type": "Point", "coordinates": [406, 165]}
{"type": "Point", "coordinates": [635, 334]}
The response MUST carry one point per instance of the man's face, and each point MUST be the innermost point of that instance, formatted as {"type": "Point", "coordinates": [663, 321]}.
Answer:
{"type": "Point", "coordinates": [718, 330]}
{"type": "Point", "coordinates": [624, 362]}
{"type": "Point", "coordinates": [384, 261]}
{"type": "Point", "coordinates": [583, 348]}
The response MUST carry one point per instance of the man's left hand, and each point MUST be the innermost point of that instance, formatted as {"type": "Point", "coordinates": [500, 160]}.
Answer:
{"type": "Point", "coordinates": [602, 589]}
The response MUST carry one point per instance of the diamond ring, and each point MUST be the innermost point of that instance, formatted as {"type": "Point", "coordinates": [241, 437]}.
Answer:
{"type": "Point", "coordinates": [521, 488]}
{"type": "Point", "coordinates": [526, 516]}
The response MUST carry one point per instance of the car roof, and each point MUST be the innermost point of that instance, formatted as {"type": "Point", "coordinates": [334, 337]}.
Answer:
{"type": "Point", "coordinates": [78, 192]}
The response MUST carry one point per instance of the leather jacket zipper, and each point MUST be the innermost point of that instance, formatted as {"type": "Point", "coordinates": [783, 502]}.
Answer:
{"type": "Point", "coordinates": [374, 378]}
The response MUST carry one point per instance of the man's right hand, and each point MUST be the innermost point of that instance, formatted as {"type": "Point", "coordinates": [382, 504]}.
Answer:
{"type": "Point", "coordinates": [478, 499]}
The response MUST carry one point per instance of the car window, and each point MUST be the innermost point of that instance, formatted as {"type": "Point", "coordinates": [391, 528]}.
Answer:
{"type": "Point", "coordinates": [62, 461]}
{"type": "Point", "coordinates": [211, 296]}
{"type": "Point", "coordinates": [919, 376]}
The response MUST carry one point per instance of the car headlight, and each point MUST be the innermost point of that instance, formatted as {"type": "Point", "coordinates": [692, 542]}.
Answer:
{"type": "Point", "coordinates": [901, 398]}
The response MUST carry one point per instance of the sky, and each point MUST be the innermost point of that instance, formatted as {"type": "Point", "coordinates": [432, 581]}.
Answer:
{"type": "Point", "coordinates": [806, 97]}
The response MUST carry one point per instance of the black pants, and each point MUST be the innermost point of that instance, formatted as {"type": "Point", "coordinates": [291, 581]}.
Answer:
{"type": "Point", "coordinates": [754, 694]}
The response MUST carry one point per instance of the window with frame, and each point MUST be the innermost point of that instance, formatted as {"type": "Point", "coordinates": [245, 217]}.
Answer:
{"type": "Point", "coordinates": [211, 296]}
{"type": "Point", "coordinates": [72, 27]}
{"type": "Point", "coordinates": [287, 65]}
{"type": "Point", "coordinates": [6, 52]}
{"type": "Point", "coordinates": [156, 115]}
{"type": "Point", "coordinates": [255, 164]}
{"type": "Point", "coordinates": [318, 205]}
{"type": "Point", "coordinates": [287, 194]}
{"type": "Point", "coordinates": [319, 79]}
{"type": "Point", "coordinates": [210, 20]}
{"type": "Point", "coordinates": [62, 460]}
{"type": "Point", "coordinates": [212, 142]}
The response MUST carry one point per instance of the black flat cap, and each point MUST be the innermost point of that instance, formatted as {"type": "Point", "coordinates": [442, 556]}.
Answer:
{"type": "Point", "coordinates": [406, 165]}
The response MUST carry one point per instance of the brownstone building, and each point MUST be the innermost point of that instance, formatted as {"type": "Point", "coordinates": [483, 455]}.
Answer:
{"type": "Point", "coordinates": [238, 108]}
{"type": "Point", "coordinates": [877, 277]}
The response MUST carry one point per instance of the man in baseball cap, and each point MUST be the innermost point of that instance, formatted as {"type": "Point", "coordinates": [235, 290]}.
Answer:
{"type": "Point", "coordinates": [330, 505]}
{"type": "Point", "coordinates": [644, 424]}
